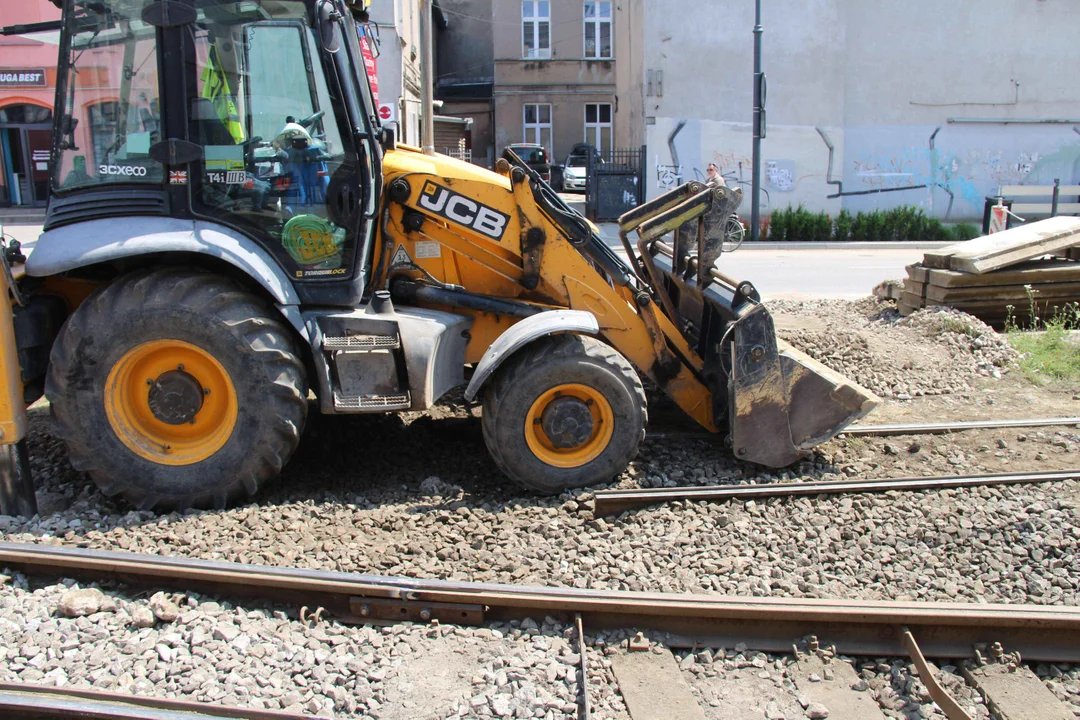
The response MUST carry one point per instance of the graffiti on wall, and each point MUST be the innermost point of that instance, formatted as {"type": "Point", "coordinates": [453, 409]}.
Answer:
{"type": "Point", "coordinates": [948, 170]}
{"type": "Point", "coordinates": [780, 174]}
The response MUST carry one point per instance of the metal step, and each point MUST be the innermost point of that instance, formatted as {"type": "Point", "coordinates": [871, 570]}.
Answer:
{"type": "Point", "coordinates": [371, 403]}
{"type": "Point", "coordinates": [362, 342]}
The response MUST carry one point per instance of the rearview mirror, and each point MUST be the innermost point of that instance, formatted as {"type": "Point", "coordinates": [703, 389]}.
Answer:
{"type": "Point", "coordinates": [328, 15]}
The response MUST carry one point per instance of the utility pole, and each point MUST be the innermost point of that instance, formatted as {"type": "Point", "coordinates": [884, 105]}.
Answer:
{"type": "Point", "coordinates": [427, 80]}
{"type": "Point", "coordinates": [759, 128]}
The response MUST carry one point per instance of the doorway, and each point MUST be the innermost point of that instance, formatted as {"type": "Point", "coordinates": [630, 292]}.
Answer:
{"type": "Point", "coordinates": [25, 155]}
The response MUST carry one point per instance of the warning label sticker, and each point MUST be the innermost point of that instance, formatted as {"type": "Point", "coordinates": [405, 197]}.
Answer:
{"type": "Point", "coordinates": [401, 257]}
{"type": "Point", "coordinates": [427, 249]}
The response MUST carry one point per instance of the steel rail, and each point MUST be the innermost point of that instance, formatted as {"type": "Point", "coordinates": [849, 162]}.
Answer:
{"type": "Point", "coordinates": [18, 700]}
{"type": "Point", "coordinates": [946, 427]}
{"type": "Point", "coordinates": [613, 502]}
{"type": "Point", "coordinates": [1039, 632]}
{"type": "Point", "coordinates": [888, 430]}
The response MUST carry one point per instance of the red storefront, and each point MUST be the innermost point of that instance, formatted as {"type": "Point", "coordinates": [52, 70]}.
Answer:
{"type": "Point", "coordinates": [27, 85]}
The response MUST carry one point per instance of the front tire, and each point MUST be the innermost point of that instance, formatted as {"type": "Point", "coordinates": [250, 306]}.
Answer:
{"type": "Point", "coordinates": [566, 412]}
{"type": "Point", "coordinates": [177, 388]}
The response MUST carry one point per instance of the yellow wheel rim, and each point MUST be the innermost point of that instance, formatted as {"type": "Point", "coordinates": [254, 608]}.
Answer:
{"type": "Point", "coordinates": [580, 453]}
{"type": "Point", "coordinates": [170, 402]}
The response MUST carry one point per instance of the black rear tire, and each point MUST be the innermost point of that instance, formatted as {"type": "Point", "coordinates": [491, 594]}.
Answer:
{"type": "Point", "coordinates": [533, 373]}
{"type": "Point", "coordinates": [242, 334]}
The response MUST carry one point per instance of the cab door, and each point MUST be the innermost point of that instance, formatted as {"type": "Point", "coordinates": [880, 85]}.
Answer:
{"type": "Point", "coordinates": [278, 156]}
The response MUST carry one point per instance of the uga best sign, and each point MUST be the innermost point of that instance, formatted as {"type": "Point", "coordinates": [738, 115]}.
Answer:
{"type": "Point", "coordinates": [22, 77]}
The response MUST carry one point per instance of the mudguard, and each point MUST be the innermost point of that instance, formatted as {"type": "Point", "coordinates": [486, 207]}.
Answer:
{"type": "Point", "coordinates": [70, 247]}
{"type": "Point", "coordinates": [523, 333]}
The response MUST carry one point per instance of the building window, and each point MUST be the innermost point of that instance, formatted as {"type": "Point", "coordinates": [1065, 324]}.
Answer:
{"type": "Point", "coordinates": [536, 28]}
{"type": "Point", "coordinates": [538, 124]}
{"type": "Point", "coordinates": [598, 125]}
{"type": "Point", "coordinates": [598, 29]}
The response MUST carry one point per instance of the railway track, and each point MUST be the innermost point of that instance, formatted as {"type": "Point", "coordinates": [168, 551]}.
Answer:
{"type": "Point", "coordinates": [872, 628]}
{"type": "Point", "coordinates": [19, 700]}
{"type": "Point", "coordinates": [889, 430]}
{"type": "Point", "coordinates": [824, 627]}
{"type": "Point", "coordinates": [613, 502]}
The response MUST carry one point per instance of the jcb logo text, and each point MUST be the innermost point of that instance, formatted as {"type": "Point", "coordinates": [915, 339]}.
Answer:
{"type": "Point", "coordinates": [463, 211]}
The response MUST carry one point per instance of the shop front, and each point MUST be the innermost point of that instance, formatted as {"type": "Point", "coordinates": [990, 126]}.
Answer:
{"type": "Point", "coordinates": [25, 142]}
{"type": "Point", "coordinates": [27, 94]}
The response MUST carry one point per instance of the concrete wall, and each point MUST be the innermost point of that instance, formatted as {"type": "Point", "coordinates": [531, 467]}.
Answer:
{"type": "Point", "coordinates": [399, 63]}
{"type": "Point", "coordinates": [465, 51]}
{"type": "Point", "coordinates": [629, 70]}
{"type": "Point", "coordinates": [877, 81]}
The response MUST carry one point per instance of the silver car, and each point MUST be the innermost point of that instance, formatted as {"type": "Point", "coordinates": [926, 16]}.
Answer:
{"type": "Point", "coordinates": [575, 172]}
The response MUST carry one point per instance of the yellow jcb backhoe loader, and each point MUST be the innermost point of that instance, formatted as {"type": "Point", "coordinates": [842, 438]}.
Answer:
{"type": "Point", "coordinates": [230, 230]}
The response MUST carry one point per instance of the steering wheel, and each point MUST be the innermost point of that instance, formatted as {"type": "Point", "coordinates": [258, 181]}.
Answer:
{"type": "Point", "coordinates": [311, 119]}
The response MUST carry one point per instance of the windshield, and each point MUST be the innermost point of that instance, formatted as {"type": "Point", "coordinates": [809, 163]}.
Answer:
{"type": "Point", "coordinates": [577, 161]}
{"type": "Point", "coordinates": [111, 112]}
{"type": "Point", "coordinates": [531, 155]}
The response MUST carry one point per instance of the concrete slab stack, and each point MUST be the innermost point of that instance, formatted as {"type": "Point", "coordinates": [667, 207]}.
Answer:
{"type": "Point", "coordinates": [1031, 267]}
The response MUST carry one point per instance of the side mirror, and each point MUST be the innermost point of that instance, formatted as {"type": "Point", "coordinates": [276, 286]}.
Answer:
{"type": "Point", "coordinates": [387, 139]}
{"type": "Point", "coordinates": [328, 15]}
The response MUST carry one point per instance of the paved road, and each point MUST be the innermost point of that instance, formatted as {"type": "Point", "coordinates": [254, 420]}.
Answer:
{"type": "Point", "coordinates": [802, 272]}
{"type": "Point", "coordinates": [777, 273]}
{"type": "Point", "coordinates": [813, 273]}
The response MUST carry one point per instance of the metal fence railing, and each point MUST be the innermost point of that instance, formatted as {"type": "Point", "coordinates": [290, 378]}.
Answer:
{"type": "Point", "coordinates": [616, 183]}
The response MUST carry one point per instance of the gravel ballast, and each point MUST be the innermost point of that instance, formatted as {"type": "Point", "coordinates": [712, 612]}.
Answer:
{"type": "Point", "coordinates": [260, 657]}
{"type": "Point", "coordinates": [416, 495]}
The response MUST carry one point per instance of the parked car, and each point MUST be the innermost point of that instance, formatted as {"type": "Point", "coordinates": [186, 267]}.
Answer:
{"type": "Point", "coordinates": [535, 156]}
{"type": "Point", "coordinates": [584, 149]}
{"type": "Point", "coordinates": [575, 172]}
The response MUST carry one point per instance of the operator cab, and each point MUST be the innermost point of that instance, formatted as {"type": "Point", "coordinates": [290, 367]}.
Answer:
{"type": "Point", "coordinates": [253, 115]}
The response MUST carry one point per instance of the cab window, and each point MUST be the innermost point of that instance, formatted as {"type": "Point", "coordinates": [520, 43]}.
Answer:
{"type": "Point", "coordinates": [263, 112]}
{"type": "Point", "coordinates": [110, 99]}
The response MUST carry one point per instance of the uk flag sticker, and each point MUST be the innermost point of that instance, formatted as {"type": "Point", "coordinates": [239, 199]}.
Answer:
{"type": "Point", "coordinates": [178, 177]}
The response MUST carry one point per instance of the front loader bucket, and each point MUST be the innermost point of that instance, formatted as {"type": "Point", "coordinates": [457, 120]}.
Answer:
{"type": "Point", "coordinates": [781, 401]}
{"type": "Point", "coordinates": [778, 402]}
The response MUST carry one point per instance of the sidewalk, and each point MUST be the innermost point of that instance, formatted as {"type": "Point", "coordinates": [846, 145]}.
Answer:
{"type": "Point", "coordinates": [610, 233]}
{"type": "Point", "coordinates": [22, 216]}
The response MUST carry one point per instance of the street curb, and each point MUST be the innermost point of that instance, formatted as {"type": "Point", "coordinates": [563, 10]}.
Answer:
{"type": "Point", "coordinates": [844, 245]}
{"type": "Point", "coordinates": [823, 245]}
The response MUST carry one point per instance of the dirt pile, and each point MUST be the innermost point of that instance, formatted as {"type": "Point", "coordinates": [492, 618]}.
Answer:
{"type": "Point", "coordinates": [935, 351]}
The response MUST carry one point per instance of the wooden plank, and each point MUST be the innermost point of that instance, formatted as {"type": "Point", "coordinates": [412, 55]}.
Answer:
{"type": "Point", "coordinates": [653, 688]}
{"type": "Point", "coordinates": [914, 288]}
{"type": "Point", "coordinates": [1030, 273]}
{"type": "Point", "coordinates": [1015, 694]}
{"type": "Point", "coordinates": [1044, 308]}
{"type": "Point", "coordinates": [1011, 293]}
{"type": "Point", "coordinates": [1016, 245]}
{"type": "Point", "coordinates": [940, 258]}
{"type": "Point", "coordinates": [914, 301]}
{"type": "Point", "coordinates": [831, 685]}
{"type": "Point", "coordinates": [918, 273]}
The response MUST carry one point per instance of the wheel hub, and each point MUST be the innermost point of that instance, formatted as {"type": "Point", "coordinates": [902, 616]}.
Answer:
{"type": "Point", "coordinates": [175, 397]}
{"type": "Point", "coordinates": [568, 422]}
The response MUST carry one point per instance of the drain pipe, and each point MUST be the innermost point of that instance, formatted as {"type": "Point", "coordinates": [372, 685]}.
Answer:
{"type": "Point", "coordinates": [427, 80]}
{"type": "Point", "coordinates": [759, 128]}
